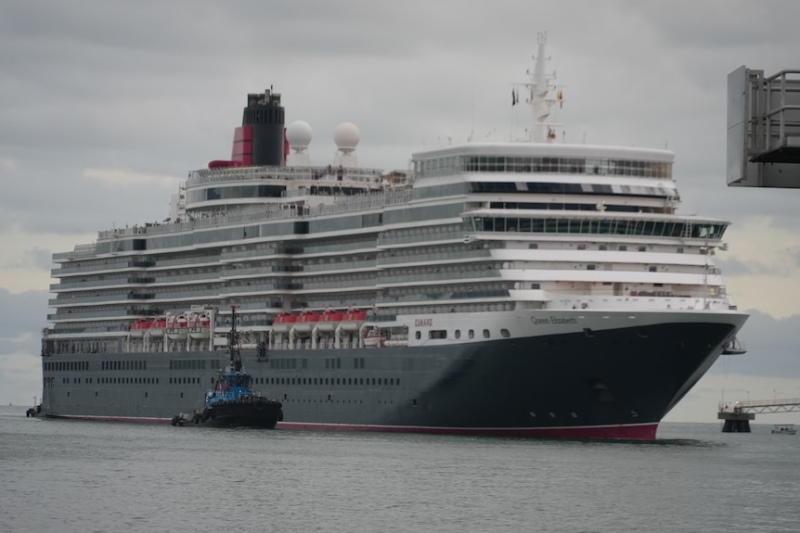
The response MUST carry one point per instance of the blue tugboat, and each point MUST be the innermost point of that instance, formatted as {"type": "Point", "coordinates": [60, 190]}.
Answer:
{"type": "Point", "coordinates": [231, 402]}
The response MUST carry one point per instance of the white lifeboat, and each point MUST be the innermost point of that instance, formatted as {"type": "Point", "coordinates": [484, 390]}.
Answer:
{"type": "Point", "coordinates": [177, 328]}
{"type": "Point", "coordinates": [373, 339]}
{"type": "Point", "coordinates": [199, 326]}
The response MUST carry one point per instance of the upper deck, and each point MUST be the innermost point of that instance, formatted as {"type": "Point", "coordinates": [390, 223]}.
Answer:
{"type": "Point", "coordinates": [524, 157]}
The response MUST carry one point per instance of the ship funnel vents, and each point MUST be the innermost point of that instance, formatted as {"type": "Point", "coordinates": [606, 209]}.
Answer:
{"type": "Point", "coordinates": [346, 136]}
{"type": "Point", "coordinates": [299, 135]}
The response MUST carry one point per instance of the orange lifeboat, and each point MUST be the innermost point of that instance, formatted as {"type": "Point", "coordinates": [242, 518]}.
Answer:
{"type": "Point", "coordinates": [140, 327]}
{"type": "Point", "coordinates": [306, 321]}
{"type": "Point", "coordinates": [158, 326]}
{"type": "Point", "coordinates": [283, 322]}
{"type": "Point", "coordinates": [329, 320]}
{"type": "Point", "coordinates": [353, 319]}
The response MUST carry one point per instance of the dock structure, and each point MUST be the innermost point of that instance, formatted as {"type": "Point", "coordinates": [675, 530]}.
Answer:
{"type": "Point", "coordinates": [763, 148]}
{"type": "Point", "coordinates": [737, 416]}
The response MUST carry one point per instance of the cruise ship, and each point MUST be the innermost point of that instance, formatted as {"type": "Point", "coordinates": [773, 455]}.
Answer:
{"type": "Point", "coordinates": [530, 288]}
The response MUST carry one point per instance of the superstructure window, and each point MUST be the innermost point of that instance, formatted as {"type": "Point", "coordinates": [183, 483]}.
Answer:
{"type": "Point", "coordinates": [604, 226]}
{"type": "Point", "coordinates": [437, 334]}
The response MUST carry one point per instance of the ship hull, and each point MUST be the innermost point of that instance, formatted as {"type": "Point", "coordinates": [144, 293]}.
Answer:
{"type": "Point", "coordinates": [613, 383]}
{"type": "Point", "coordinates": [254, 414]}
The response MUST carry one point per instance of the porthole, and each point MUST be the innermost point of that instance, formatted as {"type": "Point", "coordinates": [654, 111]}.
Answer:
{"type": "Point", "coordinates": [505, 333]}
{"type": "Point", "coordinates": [486, 334]}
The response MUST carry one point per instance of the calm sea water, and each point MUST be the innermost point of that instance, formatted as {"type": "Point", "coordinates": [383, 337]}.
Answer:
{"type": "Point", "coordinates": [65, 476]}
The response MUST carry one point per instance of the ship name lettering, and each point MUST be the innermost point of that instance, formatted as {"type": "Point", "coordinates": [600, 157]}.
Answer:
{"type": "Point", "coordinates": [420, 322]}
{"type": "Point", "coordinates": [552, 320]}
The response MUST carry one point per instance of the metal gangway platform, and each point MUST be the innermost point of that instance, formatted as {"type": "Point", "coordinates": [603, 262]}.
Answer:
{"type": "Point", "coordinates": [737, 416]}
{"type": "Point", "coordinates": [763, 142]}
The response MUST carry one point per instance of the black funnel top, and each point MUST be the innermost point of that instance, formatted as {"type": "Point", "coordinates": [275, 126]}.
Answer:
{"type": "Point", "coordinates": [264, 115]}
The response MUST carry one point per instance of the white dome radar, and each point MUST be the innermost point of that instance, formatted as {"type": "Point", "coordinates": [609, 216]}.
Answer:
{"type": "Point", "coordinates": [299, 135]}
{"type": "Point", "coordinates": [346, 136]}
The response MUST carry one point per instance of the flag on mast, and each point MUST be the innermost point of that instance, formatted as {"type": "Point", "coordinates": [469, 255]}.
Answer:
{"type": "Point", "coordinates": [513, 97]}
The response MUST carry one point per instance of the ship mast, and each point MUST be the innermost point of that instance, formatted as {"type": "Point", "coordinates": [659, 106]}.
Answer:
{"type": "Point", "coordinates": [540, 96]}
{"type": "Point", "coordinates": [236, 357]}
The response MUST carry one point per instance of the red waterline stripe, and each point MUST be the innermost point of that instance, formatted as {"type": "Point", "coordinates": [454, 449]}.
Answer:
{"type": "Point", "coordinates": [129, 419]}
{"type": "Point", "coordinates": [619, 432]}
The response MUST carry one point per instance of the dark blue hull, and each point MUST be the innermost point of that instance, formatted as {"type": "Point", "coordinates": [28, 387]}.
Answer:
{"type": "Point", "coordinates": [613, 383]}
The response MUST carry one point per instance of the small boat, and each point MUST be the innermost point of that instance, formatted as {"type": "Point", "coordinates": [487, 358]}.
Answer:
{"type": "Point", "coordinates": [373, 339]}
{"type": "Point", "coordinates": [231, 402]}
{"type": "Point", "coordinates": [734, 347]}
{"type": "Point", "coordinates": [784, 429]}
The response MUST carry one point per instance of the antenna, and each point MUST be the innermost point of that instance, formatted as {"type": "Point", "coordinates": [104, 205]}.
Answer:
{"type": "Point", "coordinates": [541, 96]}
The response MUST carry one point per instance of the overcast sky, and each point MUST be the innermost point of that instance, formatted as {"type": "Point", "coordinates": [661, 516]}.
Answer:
{"type": "Point", "coordinates": [106, 105]}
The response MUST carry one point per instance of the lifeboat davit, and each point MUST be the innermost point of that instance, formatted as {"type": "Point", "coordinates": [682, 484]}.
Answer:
{"type": "Point", "coordinates": [306, 322]}
{"type": "Point", "coordinates": [353, 319]}
{"type": "Point", "coordinates": [158, 326]}
{"type": "Point", "coordinates": [177, 328]}
{"type": "Point", "coordinates": [199, 327]}
{"type": "Point", "coordinates": [329, 320]}
{"type": "Point", "coordinates": [283, 322]}
{"type": "Point", "coordinates": [139, 327]}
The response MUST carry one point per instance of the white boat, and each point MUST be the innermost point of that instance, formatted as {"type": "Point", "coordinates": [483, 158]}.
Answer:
{"type": "Point", "coordinates": [784, 429]}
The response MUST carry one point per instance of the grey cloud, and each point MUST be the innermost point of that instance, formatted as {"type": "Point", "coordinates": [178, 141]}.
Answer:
{"type": "Point", "coordinates": [24, 316]}
{"type": "Point", "coordinates": [771, 345]}
{"type": "Point", "coordinates": [735, 267]}
{"type": "Point", "coordinates": [33, 257]}
{"type": "Point", "coordinates": [794, 255]}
